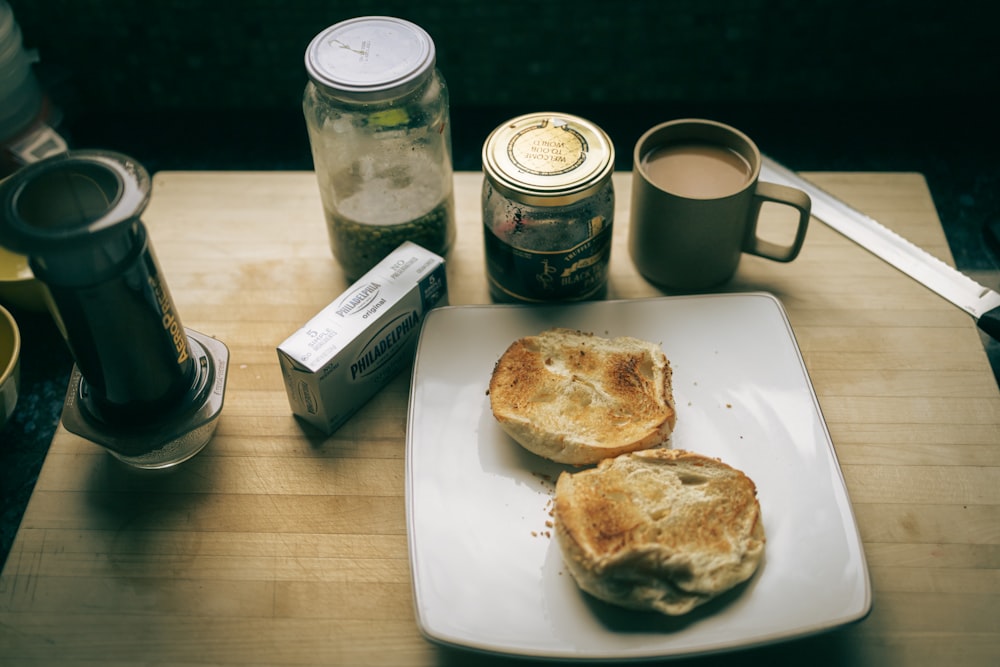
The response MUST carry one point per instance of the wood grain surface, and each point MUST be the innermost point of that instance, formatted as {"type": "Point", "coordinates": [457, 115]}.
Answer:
{"type": "Point", "coordinates": [279, 546]}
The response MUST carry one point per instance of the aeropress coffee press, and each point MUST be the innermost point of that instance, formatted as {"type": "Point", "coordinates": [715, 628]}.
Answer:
{"type": "Point", "coordinates": [143, 386]}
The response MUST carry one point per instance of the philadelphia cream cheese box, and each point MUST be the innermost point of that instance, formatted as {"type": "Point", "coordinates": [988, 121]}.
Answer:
{"type": "Point", "coordinates": [354, 346]}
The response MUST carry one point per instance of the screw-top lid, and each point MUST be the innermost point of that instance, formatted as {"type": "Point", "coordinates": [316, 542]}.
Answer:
{"type": "Point", "coordinates": [371, 57]}
{"type": "Point", "coordinates": [548, 159]}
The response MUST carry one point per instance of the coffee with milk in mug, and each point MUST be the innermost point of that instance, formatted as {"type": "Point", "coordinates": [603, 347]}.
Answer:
{"type": "Point", "coordinates": [697, 170]}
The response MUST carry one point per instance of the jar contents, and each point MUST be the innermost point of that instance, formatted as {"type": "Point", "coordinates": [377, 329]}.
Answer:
{"type": "Point", "coordinates": [359, 246]}
{"type": "Point", "coordinates": [535, 256]}
{"type": "Point", "coordinates": [548, 209]}
{"type": "Point", "coordinates": [376, 109]}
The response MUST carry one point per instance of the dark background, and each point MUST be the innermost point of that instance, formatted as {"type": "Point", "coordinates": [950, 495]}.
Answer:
{"type": "Point", "coordinates": [821, 85]}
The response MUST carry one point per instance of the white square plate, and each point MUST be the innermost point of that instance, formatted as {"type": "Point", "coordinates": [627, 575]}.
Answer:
{"type": "Point", "coordinates": [487, 570]}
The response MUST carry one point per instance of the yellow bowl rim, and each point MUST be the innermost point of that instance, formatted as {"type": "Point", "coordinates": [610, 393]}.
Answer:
{"type": "Point", "coordinates": [11, 363]}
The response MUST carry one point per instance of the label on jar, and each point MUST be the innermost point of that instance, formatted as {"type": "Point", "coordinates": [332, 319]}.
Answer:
{"type": "Point", "coordinates": [574, 274]}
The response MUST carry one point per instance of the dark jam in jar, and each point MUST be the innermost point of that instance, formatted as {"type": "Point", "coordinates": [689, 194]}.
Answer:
{"type": "Point", "coordinates": [548, 208]}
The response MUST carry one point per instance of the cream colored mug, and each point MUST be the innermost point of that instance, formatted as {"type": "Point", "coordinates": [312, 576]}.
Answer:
{"type": "Point", "coordinates": [696, 202]}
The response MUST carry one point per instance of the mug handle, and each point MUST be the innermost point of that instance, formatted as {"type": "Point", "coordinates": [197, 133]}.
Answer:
{"type": "Point", "coordinates": [779, 194]}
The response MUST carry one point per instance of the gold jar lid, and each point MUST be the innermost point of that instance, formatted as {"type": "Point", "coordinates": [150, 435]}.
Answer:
{"type": "Point", "coordinates": [548, 159]}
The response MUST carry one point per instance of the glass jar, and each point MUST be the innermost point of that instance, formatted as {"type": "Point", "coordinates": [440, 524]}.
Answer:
{"type": "Point", "coordinates": [548, 209]}
{"type": "Point", "coordinates": [376, 109]}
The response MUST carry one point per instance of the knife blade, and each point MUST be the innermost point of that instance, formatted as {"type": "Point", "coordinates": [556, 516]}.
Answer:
{"type": "Point", "coordinates": [982, 303]}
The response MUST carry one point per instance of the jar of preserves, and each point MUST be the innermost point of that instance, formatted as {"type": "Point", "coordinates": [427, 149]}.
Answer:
{"type": "Point", "coordinates": [376, 109]}
{"type": "Point", "coordinates": [548, 209]}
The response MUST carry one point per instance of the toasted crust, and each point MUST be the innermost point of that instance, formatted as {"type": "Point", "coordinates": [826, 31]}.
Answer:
{"type": "Point", "coordinates": [577, 398]}
{"type": "Point", "coordinates": [663, 530]}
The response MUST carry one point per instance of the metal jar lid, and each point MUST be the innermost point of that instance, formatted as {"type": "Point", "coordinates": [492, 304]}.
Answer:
{"type": "Point", "coordinates": [548, 159]}
{"type": "Point", "coordinates": [370, 58]}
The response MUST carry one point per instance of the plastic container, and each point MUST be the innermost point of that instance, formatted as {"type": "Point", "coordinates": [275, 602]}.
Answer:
{"type": "Point", "coordinates": [20, 95]}
{"type": "Point", "coordinates": [27, 119]}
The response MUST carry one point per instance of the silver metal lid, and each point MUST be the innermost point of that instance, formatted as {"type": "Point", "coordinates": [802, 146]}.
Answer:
{"type": "Point", "coordinates": [548, 159]}
{"type": "Point", "coordinates": [371, 57]}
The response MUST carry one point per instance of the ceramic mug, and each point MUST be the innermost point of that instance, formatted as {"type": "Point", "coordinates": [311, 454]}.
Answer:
{"type": "Point", "coordinates": [696, 202]}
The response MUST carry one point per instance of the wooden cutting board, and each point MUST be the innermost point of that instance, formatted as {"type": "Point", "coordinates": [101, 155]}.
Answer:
{"type": "Point", "coordinates": [277, 545]}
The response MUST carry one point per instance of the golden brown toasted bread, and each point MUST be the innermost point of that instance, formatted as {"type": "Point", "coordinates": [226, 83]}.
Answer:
{"type": "Point", "coordinates": [576, 398]}
{"type": "Point", "coordinates": [662, 530]}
